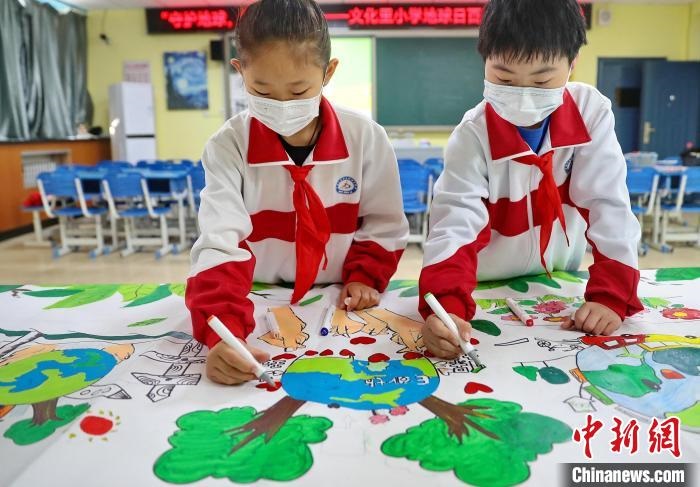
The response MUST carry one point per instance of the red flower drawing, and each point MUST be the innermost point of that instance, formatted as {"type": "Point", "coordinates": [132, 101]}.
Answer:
{"type": "Point", "coordinates": [681, 313]}
{"type": "Point", "coordinates": [550, 307]}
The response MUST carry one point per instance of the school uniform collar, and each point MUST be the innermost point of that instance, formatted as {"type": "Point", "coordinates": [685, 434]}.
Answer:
{"type": "Point", "coordinates": [264, 146]}
{"type": "Point", "coordinates": [566, 129]}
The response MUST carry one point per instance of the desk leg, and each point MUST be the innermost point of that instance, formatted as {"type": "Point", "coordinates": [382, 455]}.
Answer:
{"type": "Point", "coordinates": [181, 225]}
{"type": "Point", "coordinates": [38, 233]}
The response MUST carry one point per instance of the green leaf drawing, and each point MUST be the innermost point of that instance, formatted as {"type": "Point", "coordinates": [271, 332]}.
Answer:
{"type": "Point", "coordinates": [409, 292]}
{"type": "Point", "coordinates": [566, 276]}
{"type": "Point", "coordinates": [519, 285]}
{"type": "Point", "coordinates": [311, 300]}
{"type": "Point", "coordinates": [6, 288]}
{"type": "Point", "coordinates": [485, 326]}
{"type": "Point", "coordinates": [88, 295]}
{"type": "Point", "coordinates": [527, 371]}
{"type": "Point", "coordinates": [152, 321]}
{"type": "Point", "coordinates": [53, 293]}
{"type": "Point", "coordinates": [162, 291]}
{"type": "Point", "coordinates": [553, 375]}
{"type": "Point", "coordinates": [655, 302]}
{"type": "Point", "coordinates": [178, 289]}
{"type": "Point", "coordinates": [260, 286]}
{"type": "Point", "coordinates": [130, 292]}
{"type": "Point", "coordinates": [500, 311]}
{"type": "Point", "coordinates": [678, 274]}
{"type": "Point", "coordinates": [401, 283]}
{"type": "Point", "coordinates": [486, 304]}
{"type": "Point", "coordinates": [486, 285]}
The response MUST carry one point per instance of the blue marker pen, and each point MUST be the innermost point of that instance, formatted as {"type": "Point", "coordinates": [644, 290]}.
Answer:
{"type": "Point", "coordinates": [327, 319]}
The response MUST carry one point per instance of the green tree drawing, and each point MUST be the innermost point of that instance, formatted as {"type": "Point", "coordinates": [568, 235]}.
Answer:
{"type": "Point", "coordinates": [242, 445]}
{"type": "Point", "coordinates": [493, 447]}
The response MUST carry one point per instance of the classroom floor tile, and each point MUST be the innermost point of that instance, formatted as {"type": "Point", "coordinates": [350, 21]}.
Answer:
{"type": "Point", "coordinates": [20, 264]}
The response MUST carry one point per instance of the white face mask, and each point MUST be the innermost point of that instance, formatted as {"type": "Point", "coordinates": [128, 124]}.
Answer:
{"type": "Point", "coordinates": [284, 117]}
{"type": "Point", "coordinates": [523, 106]}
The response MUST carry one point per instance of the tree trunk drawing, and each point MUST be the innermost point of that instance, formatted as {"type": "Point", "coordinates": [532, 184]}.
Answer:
{"type": "Point", "coordinates": [44, 411]}
{"type": "Point", "coordinates": [267, 423]}
{"type": "Point", "coordinates": [455, 416]}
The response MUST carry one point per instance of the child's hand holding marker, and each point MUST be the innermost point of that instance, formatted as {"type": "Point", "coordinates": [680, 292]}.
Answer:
{"type": "Point", "coordinates": [356, 295]}
{"type": "Point", "coordinates": [232, 361]}
{"type": "Point", "coordinates": [448, 336]}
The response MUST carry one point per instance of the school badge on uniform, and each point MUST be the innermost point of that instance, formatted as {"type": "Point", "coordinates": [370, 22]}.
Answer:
{"type": "Point", "coordinates": [346, 185]}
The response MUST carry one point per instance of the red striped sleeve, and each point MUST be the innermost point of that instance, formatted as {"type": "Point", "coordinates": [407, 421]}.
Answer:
{"type": "Point", "coordinates": [371, 264]}
{"type": "Point", "coordinates": [221, 291]}
{"type": "Point", "coordinates": [453, 280]}
{"type": "Point", "coordinates": [611, 283]}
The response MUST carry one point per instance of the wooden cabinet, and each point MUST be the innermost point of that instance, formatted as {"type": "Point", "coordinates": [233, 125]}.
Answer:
{"type": "Point", "coordinates": [12, 187]}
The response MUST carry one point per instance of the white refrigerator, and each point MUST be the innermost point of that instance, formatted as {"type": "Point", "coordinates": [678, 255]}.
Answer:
{"type": "Point", "coordinates": [132, 122]}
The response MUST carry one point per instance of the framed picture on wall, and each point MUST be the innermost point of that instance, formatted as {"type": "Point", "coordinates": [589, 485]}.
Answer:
{"type": "Point", "coordinates": [186, 80]}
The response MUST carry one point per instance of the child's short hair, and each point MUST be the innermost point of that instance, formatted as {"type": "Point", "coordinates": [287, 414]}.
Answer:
{"type": "Point", "coordinates": [299, 21]}
{"type": "Point", "coordinates": [521, 30]}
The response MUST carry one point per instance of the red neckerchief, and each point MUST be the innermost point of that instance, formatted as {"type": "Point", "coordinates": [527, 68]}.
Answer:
{"type": "Point", "coordinates": [547, 204]}
{"type": "Point", "coordinates": [313, 231]}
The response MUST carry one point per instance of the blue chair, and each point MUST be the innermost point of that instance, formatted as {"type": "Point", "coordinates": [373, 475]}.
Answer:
{"type": "Point", "coordinates": [642, 184]}
{"type": "Point", "coordinates": [195, 185]}
{"type": "Point", "coordinates": [128, 199]}
{"type": "Point", "coordinates": [65, 185]}
{"type": "Point", "coordinates": [687, 201]}
{"type": "Point", "coordinates": [114, 165]}
{"type": "Point", "coordinates": [416, 189]}
{"type": "Point", "coordinates": [436, 166]}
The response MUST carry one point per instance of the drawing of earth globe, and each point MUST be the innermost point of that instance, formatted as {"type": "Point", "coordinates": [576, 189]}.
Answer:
{"type": "Point", "coordinates": [358, 384]}
{"type": "Point", "coordinates": [659, 377]}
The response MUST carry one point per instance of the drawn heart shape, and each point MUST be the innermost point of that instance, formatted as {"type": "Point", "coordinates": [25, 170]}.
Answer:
{"type": "Point", "coordinates": [429, 354]}
{"type": "Point", "coordinates": [378, 357]}
{"type": "Point", "coordinates": [326, 352]}
{"type": "Point", "coordinates": [363, 340]}
{"type": "Point", "coordinates": [346, 353]}
{"type": "Point", "coordinates": [473, 341]}
{"type": "Point", "coordinates": [284, 356]}
{"type": "Point", "coordinates": [269, 388]}
{"type": "Point", "coordinates": [474, 387]}
{"type": "Point", "coordinates": [412, 355]}
{"type": "Point", "coordinates": [310, 353]}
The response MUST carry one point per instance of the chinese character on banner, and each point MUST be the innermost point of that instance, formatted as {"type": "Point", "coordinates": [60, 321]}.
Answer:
{"type": "Point", "coordinates": [356, 16]}
{"type": "Point", "coordinates": [626, 437]}
{"type": "Point", "coordinates": [459, 16]}
{"type": "Point", "coordinates": [664, 436]}
{"type": "Point", "coordinates": [371, 16]}
{"type": "Point", "coordinates": [401, 16]}
{"type": "Point", "coordinates": [474, 15]}
{"type": "Point", "coordinates": [190, 19]}
{"type": "Point", "coordinates": [587, 433]}
{"type": "Point", "coordinates": [386, 16]}
{"type": "Point", "coordinates": [430, 16]}
{"type": "Point", "coordinates": [415, 15]}
{"type": "Point", "coordinates": [444, 15]}
{"type": "Point", "coordinates": [220, 19]}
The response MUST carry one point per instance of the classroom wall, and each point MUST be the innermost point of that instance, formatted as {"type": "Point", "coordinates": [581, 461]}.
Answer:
{"type": "Point", "coordinates": [636, 30]}
{"type": "Point", "coordinates": [180, 133]}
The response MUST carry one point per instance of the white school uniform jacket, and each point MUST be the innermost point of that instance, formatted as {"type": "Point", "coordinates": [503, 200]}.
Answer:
{"type": "Point", "coordinates": [495, 204]}
{"type": "Point", "coordinates": [250, 229]}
